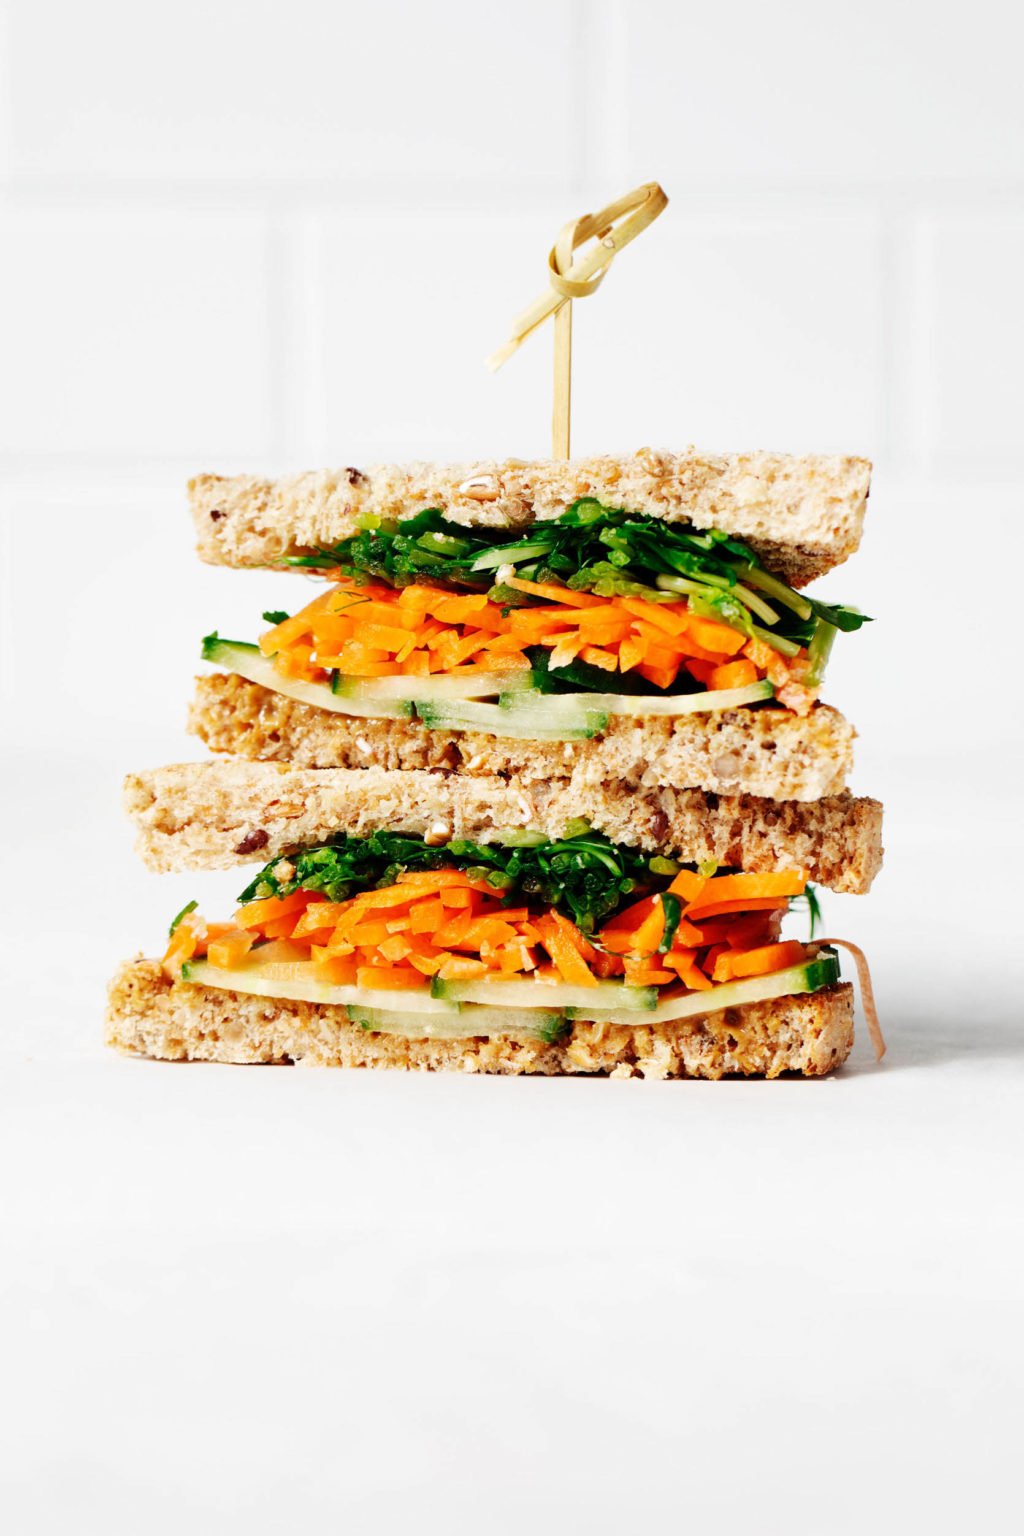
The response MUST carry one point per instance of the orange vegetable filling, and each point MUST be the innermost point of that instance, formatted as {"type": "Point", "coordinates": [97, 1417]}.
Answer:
{"type": "Point", "coordinates": [377, 631]}
{"type": "Point", "coordinates": [441, 923]}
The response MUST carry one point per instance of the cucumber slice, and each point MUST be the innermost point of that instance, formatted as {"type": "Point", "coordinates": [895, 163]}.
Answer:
{"type": "Point", "coordinates": [530, 717]}
{"type": "Point", "coordinates": [674, 704]}
{"type": "Point", "coordinates": [433, 690]}
{"type": "Point", "coordinates": [457, 1010]}
{"type": "Point", "coordinates": [811, 976]}
{"type": "Point", "coordinates": [298, 982]}
{"type": "Point", "coordinates": [249, 662]}
{"type": "Point", "coordinates": [465, 1023]}
{"type": "Point", "coordinates": [453, 703]}
{"type": "Point", "coordinates": [585, 1001]}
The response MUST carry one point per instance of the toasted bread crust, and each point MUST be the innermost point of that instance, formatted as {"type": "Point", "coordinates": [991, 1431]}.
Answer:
{"type": "Point", "coordinates": [215, 815]}
{"type": "Point", "coordinates": [802, 515]}
{"type": "Point", "coordinates": [149, 1015]}
{"type": "Point", "coordinates": [770, 753]}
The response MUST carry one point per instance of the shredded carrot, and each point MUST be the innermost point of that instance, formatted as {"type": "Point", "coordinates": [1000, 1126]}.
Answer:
{"type": "Point", "coordinates": [553, 594]}
{"type": "Point", "coordinates": [688, 885]}
{"type": "Point", "coordinates": [461, 968]}
{"type": "Point", "coordinates": [231, 948]}
{"type": "Point", "coordinates": [571, 965]}
{"type": "Point", "coordinates": [373, 631]}
{"type": "Point", "coordinates": [757, 962]}
{"type": "Point", "coordinates": [386, 978]}
{"type": "Point", "coordinates": [710, 908]}
{"type": "Point", "coordinates": [790, 882]}
{"type": "Point", "coordinates": [339, 970]}
{"type": "Point", "coordinates": [442, 923]}
{"type": "Point", "coordinates": [733, 674]}
{"type": "Point", "coordinates": [255, 913]}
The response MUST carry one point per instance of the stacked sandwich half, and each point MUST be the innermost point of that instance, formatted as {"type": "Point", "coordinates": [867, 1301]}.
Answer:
{"type": "Point", "coordinates": [530, 785]}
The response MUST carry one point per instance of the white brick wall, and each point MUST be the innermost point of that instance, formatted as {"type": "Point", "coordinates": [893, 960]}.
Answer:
{"type": "Point", "coordinates": [245, 234]}
{"type": "Point", "coordinates": [372, 95]}
{"type": "Point", "coordinates": [260, 235]}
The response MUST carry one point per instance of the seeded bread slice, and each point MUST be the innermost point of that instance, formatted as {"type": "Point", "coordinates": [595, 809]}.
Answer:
{"type": "Point", "coordinates": [802, 515]}
{"type": "Point", "coordinates": [216, 815]}
{"type": "Point", "coordinates": [767, 752]}
{"type": "Point", "coordinates": [149, 1015]}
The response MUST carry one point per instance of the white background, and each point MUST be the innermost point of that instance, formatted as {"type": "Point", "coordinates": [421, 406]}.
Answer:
{"type": "Point", "coordinates": [253, 236]}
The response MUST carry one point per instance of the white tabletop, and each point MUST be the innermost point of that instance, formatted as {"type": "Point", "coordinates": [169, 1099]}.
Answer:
{"type": "Point", "coordinates": [270, 1299]}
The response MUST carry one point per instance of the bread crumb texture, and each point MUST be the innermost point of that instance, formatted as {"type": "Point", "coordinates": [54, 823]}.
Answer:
{"type": "Point", "coordinates": [215, 815]}
{"type": "Point", "coordinates": [802, 515]}
{"type": "Point", "coordinates": [149, 1015]}
{"type": "Point", "coordinates": [767, 752]}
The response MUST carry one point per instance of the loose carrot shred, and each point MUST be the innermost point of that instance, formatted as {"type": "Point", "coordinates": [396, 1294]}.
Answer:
{"type": "Point", "coordinates": [461, 968]}
{"type": "Point", "coordinates": [630, 918]}
{"type": "Point", "coordinates": [554, 594]}
{"type": "Point", "coordinates": [790, 882]}
{"type": "Point", "coordinates": [752, 904]}
{"type": "Point", "coordinates": [254, 913]}
{"type": "Point", "coordinates": [395, 948]}
{"type": "Point", "coordinates": [668, 618]}
{"type": "Point", "coordinates": [567, 958]}
{"type": "Point", "coordinates": [717, 637]}
{"type": "Point", "coordinates": [319, 914]}
{"type": "Point", "coordinates": [426, 916]}
{"type": "Point", "coordinates": [580, 943]}
{"type": "Point", "coordinates": [688, 885]}
{"type": "Point", "coordinates": [661, 677]}
{"type": "Point", "coordinates": [387, 978]}
{"type": "Point", "coordinates": [280, 927]}
{"type": "Point", "coordinates": [337, 969]}
{"type": "Point", "coordinates": [453, 932]}
{"type": "Point", "coordinates": [703, 671]}
{"type": "Point", "coordinates": [733, 674]}
{"type": "Point", "coordinates": [427, 965]}
{"type": "Point", "coordinates": [631, 653]}
{"type": "Point", "coordinates": [599, 658]}
{"type": "Point", "coordinates": [641, 973]}
{"type": "Point", "coordinates": [373, 933]}
{"type": "Point", "coordinates": [757, 962]}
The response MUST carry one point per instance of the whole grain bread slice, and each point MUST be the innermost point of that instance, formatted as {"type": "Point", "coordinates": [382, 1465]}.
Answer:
{"type": "Point", "coordinates": [149, 1015]}
{"type": "Point", "coordinates": [801, 515]}
{"type": "Point", "coordinates": [215, 815]}
{"type": "Point", "coordinates": [771, 753]}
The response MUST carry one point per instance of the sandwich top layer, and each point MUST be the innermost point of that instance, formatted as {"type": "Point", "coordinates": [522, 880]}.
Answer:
{"type": "Point", "coordinates": [214, 815]}
{"type": "Point", "coordinates": [595, 615]}
{"type": "Point", "coordinates": [802, 515]}
{"type": "Point", "coordinates": [612, 612]}
{"type": "Point", "coordinates": [525, 935]}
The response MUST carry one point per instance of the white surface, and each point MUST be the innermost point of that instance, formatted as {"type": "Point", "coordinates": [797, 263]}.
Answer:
{"type": "Point", "coordinates": [266, 1299]}
{"type": "Point", "coordinates": [255, 1301]}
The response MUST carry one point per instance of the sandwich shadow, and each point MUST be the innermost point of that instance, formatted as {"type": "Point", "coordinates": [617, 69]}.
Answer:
{"type": "Point", "coordinates": [919, 1040]}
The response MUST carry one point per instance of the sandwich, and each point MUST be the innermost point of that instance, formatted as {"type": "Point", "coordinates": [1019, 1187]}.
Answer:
{"type": "Point", "coordinates": [531, 785]}
{"type": "Point", "coordinates": [477, 922]}
{"type": "Point", "coordinates": [638, 620]}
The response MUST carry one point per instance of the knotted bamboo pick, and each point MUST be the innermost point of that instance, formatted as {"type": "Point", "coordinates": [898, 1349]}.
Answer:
{"type": "Point", "coordinates": [571, 279]}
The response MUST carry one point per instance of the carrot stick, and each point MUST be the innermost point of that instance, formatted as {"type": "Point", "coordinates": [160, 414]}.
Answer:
{"type": "Point", "coordinates": [570, 963]}
{"type": "Point", "coordinates": [757, 962]}
{"type": "Point", "coordinates": [564, 595]}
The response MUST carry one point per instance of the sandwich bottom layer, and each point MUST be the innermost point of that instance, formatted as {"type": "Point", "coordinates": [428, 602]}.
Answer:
{"type": "Point", "coordinates": [149, 1015]}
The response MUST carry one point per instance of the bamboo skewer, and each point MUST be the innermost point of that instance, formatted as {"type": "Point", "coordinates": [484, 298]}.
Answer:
{"type": "Point", "coordinates": [575, 279]}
